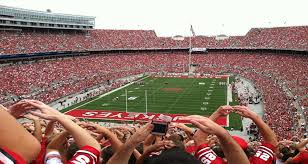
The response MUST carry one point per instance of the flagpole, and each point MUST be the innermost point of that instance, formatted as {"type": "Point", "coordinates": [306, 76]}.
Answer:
{"type": "Point", "coordinates": [146, 101]}
{"type": "Point", "coordinates": [126, 100]}
{"type": "Point", "coordinates": [189, 57]}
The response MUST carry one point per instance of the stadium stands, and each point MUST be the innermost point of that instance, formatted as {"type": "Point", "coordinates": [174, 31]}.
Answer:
{"type": "Point", "coordinates": [278, 38]}
{"type": "Point", "coordinates": [18, 42]}
{"type": "Point", "coordinates": [48, 80]}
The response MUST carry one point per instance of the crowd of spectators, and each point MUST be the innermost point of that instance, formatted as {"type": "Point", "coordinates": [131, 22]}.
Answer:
{"type": "Point", "coordinates": [33, 132]}
{"type": "Point", "coordinates": [50, 80]}
{"type": "Point", "coordinates": [264, 70]}
{"type": "Point", "coordinates": [278, 37]}
{"type": "Point", "coordinates": [19, 42]}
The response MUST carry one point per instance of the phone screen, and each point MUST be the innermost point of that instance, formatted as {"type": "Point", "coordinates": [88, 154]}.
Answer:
{"type": "Point", "coordinates": [160, 128]}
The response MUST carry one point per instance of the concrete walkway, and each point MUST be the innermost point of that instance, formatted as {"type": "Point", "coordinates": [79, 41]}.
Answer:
{"type": "Point", "coordinates": [258, 108]}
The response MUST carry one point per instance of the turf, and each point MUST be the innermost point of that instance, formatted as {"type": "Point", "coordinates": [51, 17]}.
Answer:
{"type": "Point", "coordinates": [201, 96]}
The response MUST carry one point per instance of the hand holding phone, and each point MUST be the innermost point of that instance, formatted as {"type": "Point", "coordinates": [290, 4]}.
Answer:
{"type": "Point", "coordinates": [160, 128]}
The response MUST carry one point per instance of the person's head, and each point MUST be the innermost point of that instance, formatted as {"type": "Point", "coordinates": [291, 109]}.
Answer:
{"type": "Point", "coordinates": [218, 151]}
{"type": "Point", "coordinates": [106, 154]}
{"type": "Point", "coordinates": [285, 153]}
{"type": "Point", "coordinates": [173, 155]}
{"type": "Point", "coordinates": [71, 150]}
{"type": "Point", "coordinates": [177, 140]}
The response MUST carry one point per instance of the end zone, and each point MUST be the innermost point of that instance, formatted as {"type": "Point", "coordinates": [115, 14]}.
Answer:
{"type": "Point", "coordinates": [124, 116]}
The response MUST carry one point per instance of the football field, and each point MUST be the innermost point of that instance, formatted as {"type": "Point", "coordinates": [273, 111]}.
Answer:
{"type": "Point", "coordinates": [166, 95]}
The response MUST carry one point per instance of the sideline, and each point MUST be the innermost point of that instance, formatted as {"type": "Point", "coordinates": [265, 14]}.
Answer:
{"type": "Point", "coordinates": [105, 94]}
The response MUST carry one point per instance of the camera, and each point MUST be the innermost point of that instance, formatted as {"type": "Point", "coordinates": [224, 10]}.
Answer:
{"type": "Point", "coordinates": [160, 128]}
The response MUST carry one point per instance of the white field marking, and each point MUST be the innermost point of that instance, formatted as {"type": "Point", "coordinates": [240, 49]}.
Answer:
{"type": "Point", "coordinates": [130, 91]}
{"type": "Point", "coordinates": [132, 98]}
{"type": "Point", "coordinates": [203, 108]}
{"type": "Point", "coordinates": [105, 94]}
{"type": "Point", "coordinates": [205, 103]}
{"type": "Point", "coordinates": [228, 81]}
{"type": "Point", "coordinates": [105, 104]}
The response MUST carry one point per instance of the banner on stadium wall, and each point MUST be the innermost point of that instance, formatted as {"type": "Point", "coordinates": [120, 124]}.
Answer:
{"type": "Point", "coordinates": [130, 116]}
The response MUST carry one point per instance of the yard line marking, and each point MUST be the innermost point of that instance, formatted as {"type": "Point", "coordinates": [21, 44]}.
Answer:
{"type": "Point", "coordinates": [105, 94]}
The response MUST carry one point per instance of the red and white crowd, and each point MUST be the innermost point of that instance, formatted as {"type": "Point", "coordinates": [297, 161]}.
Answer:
{"type": "Point", "coordinates": [50, 80]}
{"type": "Point", "coordinates": [53, 137]}
{"type": "Point", "coordinates": [48, 136]}
{"type": "Point", "coordinates": [20, 42]}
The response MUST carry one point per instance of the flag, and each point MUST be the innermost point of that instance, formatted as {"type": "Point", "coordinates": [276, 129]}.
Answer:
{"type": "Point", "coordinates": [192, 31]}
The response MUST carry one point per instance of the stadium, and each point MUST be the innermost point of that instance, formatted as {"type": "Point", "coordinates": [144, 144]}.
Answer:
{"type": "Point", "coordinates": [114, 80]}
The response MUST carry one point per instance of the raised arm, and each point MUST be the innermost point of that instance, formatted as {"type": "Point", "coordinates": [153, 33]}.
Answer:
{"type": "Point", "coordinates": [57, 143]}
{"type": "Point", "coordinates": [220, 112]}
{"type": "Point", "coordinates": [49, 128]}
{"type": "Point", "coordinates": [37, 126]}
{"type": "Point", "coordinates": [188, 131]}
{"type": "Point", "coordinates": [81, 136]}
{"type": "Point", "coordinates": [115, 142]}
{"type": "Point", "coordinates": [301, 146]}
{"type": "Point", "coordinates": [158, 146]}
{"type": "Point", "coordinates": [231, 149]}
{"type": "Point", "coordinates": [122, 156]}
{"type": "Point", "coordinates": [16, 138]}
{"type": "Point", "coordinates": [200, 137]}
{"type": "Point", "coordinates": [266, 132]}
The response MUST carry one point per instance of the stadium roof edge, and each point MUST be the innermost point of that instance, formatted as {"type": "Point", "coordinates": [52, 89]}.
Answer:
{"type": "Point", "coordinates": [44, 12]}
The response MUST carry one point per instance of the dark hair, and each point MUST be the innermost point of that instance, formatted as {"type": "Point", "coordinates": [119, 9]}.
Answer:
{"type": "Point", "coordinates": [286, 153]}
{"type": "Point", "coordinates": [177, 140]}
{"type": "Point", "coordinates": [71, 150]}
{"type": "Point", "coordinates": [174, 155]}
{"type": "Point", "coordinates": [106, 154]}
{"type": "Point", "coordinates": [218, 151]}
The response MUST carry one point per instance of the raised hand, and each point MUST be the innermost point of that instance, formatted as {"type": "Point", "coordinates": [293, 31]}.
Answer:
{"type": "Point", "coordinates": [158, 146]}
{"type": "Point", "coordinates": [221, 111]}
{"type": "Point", "coordinates": [142, 133]}
{"type": "Point", "coordinates": [244, 111]}
{"type": "Point", "coordinates": [95, 127]}
{"type": "Point", "coordinates": [206, 125]}
{"type": "Point", "coordinates": [19, 108]}
{"type": "Point", "coordinates": [31, 117]}
{"type": "Point", "coordinates": [224, 110]}
{"type": "Point", "coordinates": [46, 112]}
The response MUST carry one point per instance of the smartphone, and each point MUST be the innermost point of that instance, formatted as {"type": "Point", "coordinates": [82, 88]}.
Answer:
{"type": "Point", "coordinates": [160, 128]}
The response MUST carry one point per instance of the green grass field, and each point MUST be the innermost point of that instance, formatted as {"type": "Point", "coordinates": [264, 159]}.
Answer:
{"type": "Point", "coordinates": [200, 96]}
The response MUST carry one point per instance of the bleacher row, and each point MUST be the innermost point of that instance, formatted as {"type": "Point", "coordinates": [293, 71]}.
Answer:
{"type": "Point", "coordinates": [20, 42]}
{"type": "Point", "coordinates": [50, 80]}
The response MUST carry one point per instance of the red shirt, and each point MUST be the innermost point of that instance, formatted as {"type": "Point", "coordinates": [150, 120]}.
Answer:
{"type": "Point", "coordinates": [40, 158]}
{"type": "Point", "coordinates": [264, 155]}
{"type": "Point", "coordinates": [302, 158]}
{"type": "Point", "coordinates": [9, 157]}
{"type": "Point", "coordinates": [207, 156]}
{"type": "Point", "coordinates": [86, 155]}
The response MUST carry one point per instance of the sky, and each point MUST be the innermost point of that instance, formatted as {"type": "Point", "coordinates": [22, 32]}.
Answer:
{"type": "Point", "coordinates": [174, 17]}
